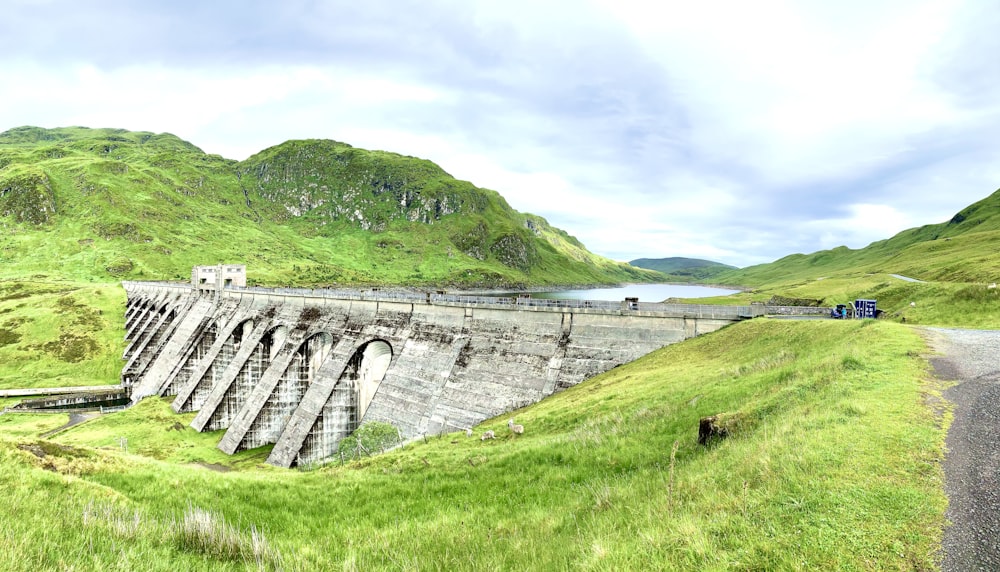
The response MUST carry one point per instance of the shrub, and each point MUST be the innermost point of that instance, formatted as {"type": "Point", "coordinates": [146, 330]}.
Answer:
{"type": "Point", "coordinates": [372, 437]}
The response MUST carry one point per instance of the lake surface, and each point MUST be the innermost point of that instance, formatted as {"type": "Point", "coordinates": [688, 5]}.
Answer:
{"type": "Point", "coordinates": [644, 292]}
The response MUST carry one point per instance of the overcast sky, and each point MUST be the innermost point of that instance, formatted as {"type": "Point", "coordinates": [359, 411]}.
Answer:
{"type": "Point", "coordinates": [734, 131]}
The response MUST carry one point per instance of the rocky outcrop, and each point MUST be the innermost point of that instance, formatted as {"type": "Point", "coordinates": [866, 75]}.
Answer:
{"type": "Point", "coordinates": [334, 181]}
{"type": "Point", "coordinates": [26, 194]}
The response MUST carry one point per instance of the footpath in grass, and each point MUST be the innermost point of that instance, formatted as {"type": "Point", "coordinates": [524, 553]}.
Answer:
{"type": "Point", "coordinates": [833, 463]}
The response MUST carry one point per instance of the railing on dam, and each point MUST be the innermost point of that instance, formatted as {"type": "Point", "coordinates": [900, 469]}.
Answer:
{"type": "Point", "coordinates": [704, 311]}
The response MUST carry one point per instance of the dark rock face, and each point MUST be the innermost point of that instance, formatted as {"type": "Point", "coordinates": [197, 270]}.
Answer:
{"type": "Point", "coordinates": [474, 242]}
{"type": "Point", "coordinates": [720, 426]}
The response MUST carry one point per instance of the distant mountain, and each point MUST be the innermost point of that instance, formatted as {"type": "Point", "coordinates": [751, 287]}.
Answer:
{"type": "Point", "coordinates": [683, 269]}
{"type": "Point", "coordinates": [109, 204]}
{"type": "Point", "coordinates": [963, 249]}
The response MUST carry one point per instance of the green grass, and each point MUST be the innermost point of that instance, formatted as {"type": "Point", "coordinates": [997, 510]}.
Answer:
{"type": "Point", "coordinates": [151, 429]}
{"type": "Point", "coordinates": [30, 424]}
{"type": "Point", "coordinates": [935, 303]}
{"type": "Point", "coordinates": [60, 334]}
{"type": "Point", "coordinates": [834, 460]}
{"type": "Point", "coordinates": [103, 205]}
{"type": "Point", "coordinates": [957, 260]}
{"type": "Point", "coordinates": [835, 466]}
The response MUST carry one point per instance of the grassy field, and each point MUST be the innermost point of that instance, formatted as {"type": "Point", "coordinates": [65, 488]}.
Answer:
{"type": "Point", "coordinates": [60, 334]}
{"type": "Point", "coordinates": [833, 463]}
{"type": "Point", "coordinates": [836, 432]}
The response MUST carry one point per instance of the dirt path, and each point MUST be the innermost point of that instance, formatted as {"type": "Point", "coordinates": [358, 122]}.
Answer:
{"type": "Point", "coordinates": [972, 462]}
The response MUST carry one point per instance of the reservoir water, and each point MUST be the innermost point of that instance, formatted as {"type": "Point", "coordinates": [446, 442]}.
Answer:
{"type": "Point", "coordinates": [644, 292]}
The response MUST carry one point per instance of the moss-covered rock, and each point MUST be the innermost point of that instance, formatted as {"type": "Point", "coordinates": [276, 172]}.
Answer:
{"type": "Point", "coordinates": [370, 189]}
{"type": "Point", "coordinates": [119, 266]}
{"type": "Point", "coordinates": [113, 229]}
{"type": "Point", "coordinates": [26, 194]}
{"type": "Point", "coordinates": [473, 242]}
{"type": "Point", "coordinates": [72, 347]}
{"type": "Point", "coordinates": [514, 250]}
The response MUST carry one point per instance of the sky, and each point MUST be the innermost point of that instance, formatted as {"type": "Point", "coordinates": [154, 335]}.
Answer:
{"type": "Point", "coordinates": [734, 131]}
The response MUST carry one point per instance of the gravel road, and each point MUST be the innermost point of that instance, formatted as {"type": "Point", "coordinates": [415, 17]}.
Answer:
{"type": "Point", "coordinates": [972, 462]}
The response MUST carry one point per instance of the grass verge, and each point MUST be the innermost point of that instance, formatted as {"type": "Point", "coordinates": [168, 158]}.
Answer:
{"type": "Point", "coordinates": [834, 465]}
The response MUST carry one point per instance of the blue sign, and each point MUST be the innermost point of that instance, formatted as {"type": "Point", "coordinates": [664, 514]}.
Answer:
{"type": "Point", "coordinates": [864, 309]}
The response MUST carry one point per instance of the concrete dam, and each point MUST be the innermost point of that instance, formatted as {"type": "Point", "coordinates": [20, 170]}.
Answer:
{"type": "Point", "coordinates": [301, 369]}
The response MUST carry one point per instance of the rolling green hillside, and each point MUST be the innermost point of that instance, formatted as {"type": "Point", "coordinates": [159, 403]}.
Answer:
{"type": "Point", "coordinates": [964, 249]}
{"type": "Point", "coordinates": [607, 476]}
{"type": "Point", "coordinates": [106, 204]}
{"type": "Point", "coordinates": [956, 264]}
{"type": "Point", "coordinates": [683, 269]}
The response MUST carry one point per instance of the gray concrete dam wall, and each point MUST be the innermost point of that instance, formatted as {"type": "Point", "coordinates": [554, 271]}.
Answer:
{"type": "Point", "coordinates": [301, 369]}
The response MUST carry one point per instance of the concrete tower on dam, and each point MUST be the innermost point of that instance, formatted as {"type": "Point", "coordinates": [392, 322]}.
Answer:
{"type": "Point", "coordinates": [301, 369]}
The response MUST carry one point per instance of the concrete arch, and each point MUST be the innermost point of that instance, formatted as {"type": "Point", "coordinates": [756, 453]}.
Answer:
{"type": "Point", "coordinates": [249, 375]}
{"type": "Point", "coordinates": [214, 372]}
{"type": "Point", "coordinates": [348, 402]}
{"type": "Point", "coordinates": [302, 370]}
{"type": "Point", "coordinates": [198, 352]}
{"type": "Point", "coordinates": [367, 368]}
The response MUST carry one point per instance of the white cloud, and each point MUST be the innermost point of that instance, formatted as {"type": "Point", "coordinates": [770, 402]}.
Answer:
{"type": "Point", "coordinates": [864, 224]}
{"type": "Point", "coordinates": [727, 131]}
{"type": "Point", "coordinates": [796, 94]}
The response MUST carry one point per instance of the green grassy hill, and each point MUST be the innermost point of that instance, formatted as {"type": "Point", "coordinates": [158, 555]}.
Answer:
{"type": "Point", "coordinates": [960, 250]}
{"type": "Point", "coordinates": [956, 262]}
{"type": "Point", "coordinates": [683, 269]}
{"type": "Point", "coordinates": [106, 204]}
{"type": "Point", "coordinates": [608, 476]}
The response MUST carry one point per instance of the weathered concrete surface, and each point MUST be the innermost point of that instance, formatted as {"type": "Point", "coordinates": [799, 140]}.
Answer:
{"type": "Point", "coordinates": [109, 396]}
{"type": "Point", "coordinates": [240, 358]}
{"type": "Point", "coordinates": [32, 391]}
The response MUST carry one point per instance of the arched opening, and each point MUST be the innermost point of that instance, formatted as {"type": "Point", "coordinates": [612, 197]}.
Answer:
{"type": "Point", "coordinates": [349, 401]}
{"type": "Point", "coordinates": [130, 322]}
{"type": "Point", "coordinates": [222, 360]}
{"type": "Point", "coordinates": [289, 391]}
{"type": "Point", "coordinates": [368, 367]}
{"type": "Point", "coordinates": [198, 353]}
{"type": "Point", "coordinates": [249, 375]}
